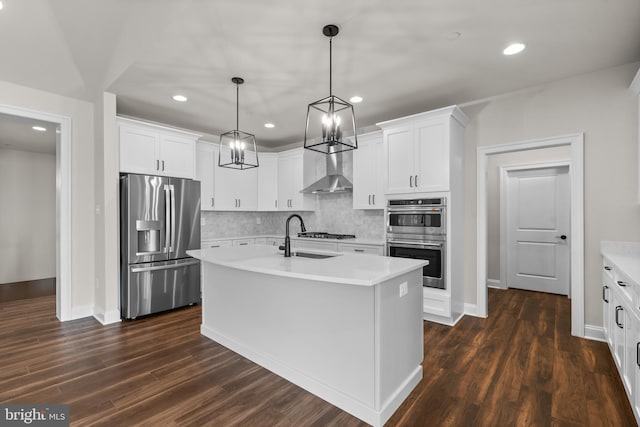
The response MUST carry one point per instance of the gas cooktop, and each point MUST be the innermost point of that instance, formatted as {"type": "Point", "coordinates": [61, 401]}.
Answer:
{"type": "Point", "coordinates": [323, 235]}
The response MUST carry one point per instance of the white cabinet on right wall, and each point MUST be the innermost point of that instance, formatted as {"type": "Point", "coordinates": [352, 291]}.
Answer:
{"type": "Point", "coordinates": [422, 150]}
{"type": "Point", "coordinates": [368, 163]}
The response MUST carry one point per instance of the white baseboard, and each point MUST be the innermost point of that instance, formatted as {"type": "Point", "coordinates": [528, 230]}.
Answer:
{"type": "Point", "coordinates": [493, 283]}
{"type": "Point", "coordinates": [111, 316]}
{"type": "Point", "coordinates": [79, 312]}
{"type": "Point", "coordinates": [471, 309]}
{"type": "Point", "coordinates": [595, 333]}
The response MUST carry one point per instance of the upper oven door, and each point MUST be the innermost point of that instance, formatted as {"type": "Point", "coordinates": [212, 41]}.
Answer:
{"type": "Point", "coordinates": [422, 221]}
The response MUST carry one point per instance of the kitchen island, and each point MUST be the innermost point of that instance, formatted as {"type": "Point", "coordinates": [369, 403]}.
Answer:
{"type": "Point", "coordinates": [347, 328]}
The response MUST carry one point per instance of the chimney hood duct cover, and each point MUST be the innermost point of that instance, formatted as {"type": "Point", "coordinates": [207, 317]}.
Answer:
{"type": "Point", "coordinates": [334, 181]}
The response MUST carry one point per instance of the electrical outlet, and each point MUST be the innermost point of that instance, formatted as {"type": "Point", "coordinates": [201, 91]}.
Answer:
{"type": "Point", "coordinates": [202, 221]}
{"type": "Point", "coordinates": [258, 220]}
{"type": "Point", "coordinates": [404, 289]}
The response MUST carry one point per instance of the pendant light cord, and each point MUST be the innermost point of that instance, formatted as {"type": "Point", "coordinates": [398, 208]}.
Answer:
{"type": "Point", "coordinates": [237, 106]}
{"type": "Point", "coordinates": [330, 67]}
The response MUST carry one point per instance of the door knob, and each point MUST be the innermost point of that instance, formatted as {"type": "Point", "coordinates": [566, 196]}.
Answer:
{"type": "Point", "coordinates": [563, 237]}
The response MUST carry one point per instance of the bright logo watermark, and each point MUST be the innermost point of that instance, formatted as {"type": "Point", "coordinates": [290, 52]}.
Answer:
{"type": "Point", "coordinates": [36, 415]}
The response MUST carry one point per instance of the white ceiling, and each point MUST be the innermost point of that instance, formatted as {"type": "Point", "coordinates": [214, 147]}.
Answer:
{"type": "Point", "coordinates": [398, 55]}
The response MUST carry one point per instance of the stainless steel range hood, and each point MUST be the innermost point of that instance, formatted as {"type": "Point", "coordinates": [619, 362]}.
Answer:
{"type": "Point", "coordinates": [334, 181]}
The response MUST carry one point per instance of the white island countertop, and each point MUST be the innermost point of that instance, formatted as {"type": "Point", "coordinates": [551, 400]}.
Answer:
{"type": "Point", "coordinates": [351, 269]}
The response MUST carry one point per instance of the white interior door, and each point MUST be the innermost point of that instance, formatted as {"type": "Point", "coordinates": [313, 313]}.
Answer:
{"type": "Point", "coordinates": [538, 225]}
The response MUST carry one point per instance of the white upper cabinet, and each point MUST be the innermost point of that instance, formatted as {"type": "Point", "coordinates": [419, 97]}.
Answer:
{"type": "Point", "coordinates": [156, 150]}
{"type": "Point", "coordinates": [235, 189]}
{"type": "Point", "coordinates": [292, 167]}
{"type": "Point", "coordinates": [206, 162]}
{"type": "Point", "coordinates": [420, 149]}
{"type": "Point", "coordinates": [268, 182]}
{"type": "Point", "coordinates": [368, 163]}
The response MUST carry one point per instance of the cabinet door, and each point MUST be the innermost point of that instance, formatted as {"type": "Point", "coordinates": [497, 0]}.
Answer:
{"type": "Point", "coordinates": [295, 175]}
{"type": "Point", "coordinates": [206, 162]}
{"type": "Point", "coordinates": [246, 184]}
{"type": "Point", "coordinates": [630, 359]}
{"type": "Point", "coordinates": [138, 151]}
{"type": "Point", "coordinates": [399, 151]}
{"type": "Point", "coordinates": [618, 331]}
{"type": "Point", "coordinates": [268, 183]}
{"type": "Point", "coordinates": [377, 174]}
{"type": "Point", "coordinates": [606, 312]}
{"type": "Point", "coordinates": [431, 156]}
{"type": "Point", "coordinates": [177, 157]}
{"type": "Point", "coordinates": [363, 175]}
{"type": "Point", "coordinates": [226, 198]}
{"type": "Point", "coordinates": [285, 185]}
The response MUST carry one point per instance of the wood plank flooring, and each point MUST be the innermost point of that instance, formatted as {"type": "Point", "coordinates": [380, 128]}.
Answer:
{"type": "Point", "coordinates": [519, 367]}
{"type": "Point", "coordinates": [28, 289]}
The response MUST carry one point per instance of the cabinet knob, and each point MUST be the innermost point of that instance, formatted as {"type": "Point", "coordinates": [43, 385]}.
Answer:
{"type": "Point", "coordinates": [562, 236]}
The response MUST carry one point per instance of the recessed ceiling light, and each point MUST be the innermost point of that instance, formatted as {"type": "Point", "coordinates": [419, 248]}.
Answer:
{"type": "Point", "coordinates": [454, 35]}
{"type": "Point", "coordinates": [355, 99]}
{"type": "Point", "coordinates": [180, 98]}
{"type": "Point", "coordinates": [39, 128]}
{"type": "Point", "coordinates": [514, 48]}
{"type": "Point", "coordinates": [269, 125]}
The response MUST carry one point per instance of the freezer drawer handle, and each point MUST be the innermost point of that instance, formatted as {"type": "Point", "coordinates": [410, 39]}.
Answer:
{"type": "Point", "coordinates": [163, 267]}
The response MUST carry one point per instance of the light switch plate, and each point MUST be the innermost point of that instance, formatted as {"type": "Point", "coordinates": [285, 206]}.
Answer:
{"type": "Point", "coordinates": [404, 289]}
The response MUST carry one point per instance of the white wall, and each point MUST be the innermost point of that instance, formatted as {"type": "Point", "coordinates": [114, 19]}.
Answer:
{"type": "Point", "coordinates": [28, 212]}
{"type": "Point", "coordinates": [599, 104]}
{"type": "Point", "coordinates": [82, 178]}
{"type": "Point", "coordinates": [493, 195]}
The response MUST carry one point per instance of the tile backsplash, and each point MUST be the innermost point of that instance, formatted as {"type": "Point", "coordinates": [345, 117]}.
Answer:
{"type": "Point", "coordinates": [334, 214]}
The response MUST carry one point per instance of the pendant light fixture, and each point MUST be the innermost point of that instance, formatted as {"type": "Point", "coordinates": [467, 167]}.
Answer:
{"type": "Point", "coordinates": [238, 148]}
{"type": "Point", "coordinates": [331, 124]}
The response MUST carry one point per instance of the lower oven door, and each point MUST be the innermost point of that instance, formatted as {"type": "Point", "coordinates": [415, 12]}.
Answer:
{"type": "Point", "coordinates": [434, 252]}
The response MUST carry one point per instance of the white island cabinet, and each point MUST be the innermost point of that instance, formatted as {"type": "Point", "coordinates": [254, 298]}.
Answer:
{"type": "Point", "coordinates": [346, 328]}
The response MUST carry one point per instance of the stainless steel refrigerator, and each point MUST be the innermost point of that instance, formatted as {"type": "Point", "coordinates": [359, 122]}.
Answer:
{"type": "Point", "coordinates": [159, 222]}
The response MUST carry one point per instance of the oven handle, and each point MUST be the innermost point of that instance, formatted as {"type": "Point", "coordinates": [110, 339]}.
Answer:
{"type": "Point", "coordinates": [397, 242]}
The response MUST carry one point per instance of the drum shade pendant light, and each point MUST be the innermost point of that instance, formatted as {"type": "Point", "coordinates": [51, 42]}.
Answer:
{"type": "Point", "coordinates": [331, 124]}
{"type": "Point", "coordinates": [238, 148]}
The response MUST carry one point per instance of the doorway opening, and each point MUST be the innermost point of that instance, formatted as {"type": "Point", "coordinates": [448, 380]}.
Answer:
{"type": "Point", "coordinates": [575, 145]}
{"type": "Point", "coordinates": [61, 127]}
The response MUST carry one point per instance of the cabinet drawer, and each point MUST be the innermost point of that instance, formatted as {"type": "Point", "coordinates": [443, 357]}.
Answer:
{"type": "Point", "coordinates": [260, 241]}
{"type": "Point", "coordinates": [436, 303]}
{"type": "Point", "coordinates": [360, 249]}
{"type": "Point", "coordinates": [215, 243]}
{"type": "Point", "coordinates": [274, 241]}
{"type": "Point", "coordinates": [243, 242]}
{"type": "Point", "coordinates": [313, 244]}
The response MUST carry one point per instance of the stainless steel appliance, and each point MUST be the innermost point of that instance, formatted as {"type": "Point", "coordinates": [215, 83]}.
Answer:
{"type": "Point", "coordinates": [416, 228]}
{"type": "Point", "coordinates": [424, 217]}
{"type": "Point", "coordinates": [159, 222]}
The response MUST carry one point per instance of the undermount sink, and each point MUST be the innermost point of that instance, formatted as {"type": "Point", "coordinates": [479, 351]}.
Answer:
{"type": "Point", "coordinates": [311, 255]}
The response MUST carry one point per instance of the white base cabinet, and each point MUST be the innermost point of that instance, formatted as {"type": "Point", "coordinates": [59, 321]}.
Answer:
{"type": "Point", "coordinates": [621, 326]}
{"type": "Point", "coordinates": [151, 149]}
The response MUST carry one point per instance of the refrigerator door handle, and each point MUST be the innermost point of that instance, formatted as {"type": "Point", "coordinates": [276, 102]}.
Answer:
{"type": "Point", "coordinates": [167, 218]}
{"type": "Point", "coordinates": [164, 267]}
{"type": "Point", "coordinates": [173, 218]}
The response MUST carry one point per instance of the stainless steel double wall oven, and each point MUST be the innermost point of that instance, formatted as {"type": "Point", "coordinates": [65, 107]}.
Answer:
{"type": "Point", "coordinates": [416, 228]}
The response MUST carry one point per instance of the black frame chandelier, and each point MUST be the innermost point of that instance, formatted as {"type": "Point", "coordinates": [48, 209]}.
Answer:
{"type": "Point", "coordinates": [331, 123]}
{"type": "Point", "coordinates": [237, 148]}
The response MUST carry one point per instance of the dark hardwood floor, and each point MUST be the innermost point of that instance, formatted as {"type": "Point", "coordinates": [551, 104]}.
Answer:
{"type": "Point", "coordinates": [519, 367]}
{"type": "Point", "coordinates": [28, 289]}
